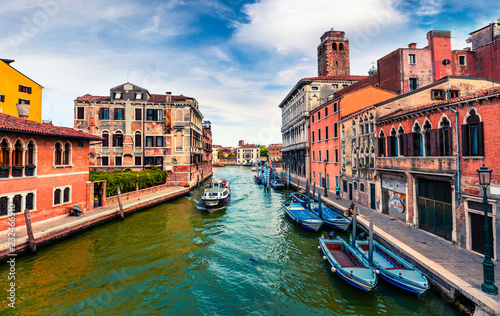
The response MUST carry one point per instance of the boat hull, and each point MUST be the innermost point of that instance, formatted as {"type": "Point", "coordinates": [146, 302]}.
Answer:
{"type": "Point", "coordinates": [212, 204]}
{"type": "Point", "coordinates": [311, 224]}
{"type": "Point", "coordinates": [299, 198]}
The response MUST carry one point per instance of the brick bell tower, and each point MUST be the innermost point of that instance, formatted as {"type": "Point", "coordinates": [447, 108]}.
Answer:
{"type": "Point", "coordinates": [333, 54]}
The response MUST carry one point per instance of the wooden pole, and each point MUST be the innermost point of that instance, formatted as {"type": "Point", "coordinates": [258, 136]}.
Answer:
{"type": "Point", "coordinates": [31, 238]}
{"type": "Point", "coordinates": [314, 190]}
{"type": "Point", "coordinates": [370, 241]}
{"type": "Point", "coordinates": [120, 202]}
{"type": "Point", "coordinates": [353, 240]}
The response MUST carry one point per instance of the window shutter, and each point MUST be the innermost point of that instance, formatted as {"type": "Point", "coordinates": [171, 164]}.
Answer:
{"type": "Point", "coordinates": [115, 112]}
{"type": "Point", "coordinates": [411, 144]}
{"type": "Point", "coordinates": [389, 146]}
{"type": "Point", "coordinates": [29, 90]}
{"type": "Point", "coordinates": [465, 140]}
{"type": "Point", "coordinates": [114, 140]}
{"type": "Point", "coordinates": [380, 147]}
{"type": "Point", "coordinates": [138, 114]}
{"type": "Point", "coordinates": [480, 139]}
{"type": "Point", "coordinates": [449, 134]}
{"type": "Point", "coordinates": [404, 145]}
{"type": "Point", "coordinates": [100, 113]}
{"type": "Point", "coordinates": [20, 88]}
{"type": "Point", "coordinates": [434, 136]}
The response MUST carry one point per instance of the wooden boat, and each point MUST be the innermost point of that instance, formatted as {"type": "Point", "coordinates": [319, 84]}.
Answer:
{"type": "Point", "coordinates": [277, 184]}
{"type": "Point", "coordinates": [348, 263]}
{"type": "Point", "coordinates": [300, 198]}
{"type": "Point", "coordinates": [394, 269]}
{"type": "Point", "coordinates": [332, 218]}
{"type": "Point", "coordinates": [257, 179]}
{"type": "Point", "coordinates": [217, 193]}
{"type": "Point", "coordinates": [302, 217]}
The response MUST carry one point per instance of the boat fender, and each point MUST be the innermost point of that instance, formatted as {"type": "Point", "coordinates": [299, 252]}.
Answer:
{"type": "Point", "coordinates": [299, 221]}
{"type": "Point", "coordinates": [333, 269]}
{"type": "Point", "coordinates": [319, 247]}
{"type": "Point", "coordinates": [377, 271]}
{"type": "Point", "coordinates": [324, 257]}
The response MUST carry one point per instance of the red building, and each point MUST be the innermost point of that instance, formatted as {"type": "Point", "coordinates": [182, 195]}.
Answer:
{"type": "Point", "coordinates": [274, 152]}
{"type": "Point", "coordinates": [427, 162]}
{"type": "Point", "coordinates": [43, 168]}
{"type": "Point", "coordinates": [207, 150]}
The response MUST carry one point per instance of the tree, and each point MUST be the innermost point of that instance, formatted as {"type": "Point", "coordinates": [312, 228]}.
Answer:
{"type": "Point", "coordinates": [231, 155]}
{"type": "Point", "coordinates": [263, 151]}
{"type": "Point", "coordinates": [220, 154]}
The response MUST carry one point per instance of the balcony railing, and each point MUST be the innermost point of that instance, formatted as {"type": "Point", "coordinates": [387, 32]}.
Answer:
{"type": "Point", "coordinates": [118, 150]}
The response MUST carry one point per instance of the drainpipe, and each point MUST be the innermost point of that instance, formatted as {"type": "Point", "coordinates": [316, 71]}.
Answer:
{"type": "Point", "coordinates": [458, 154]}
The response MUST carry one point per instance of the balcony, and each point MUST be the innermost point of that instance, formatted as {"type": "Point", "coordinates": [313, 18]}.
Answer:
{"type": "Point", "coordinates": [118, 150]}
{"type": "Point", "coordinates": [105, 150]}
{"type": "Point", "coordinates": [137, 150]}
{"type": "Point", "coordinates": [423, 164]}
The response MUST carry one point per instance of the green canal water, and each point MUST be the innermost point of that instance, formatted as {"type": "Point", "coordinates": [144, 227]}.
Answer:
{"type": "Point", "coordinates": [245, 259]}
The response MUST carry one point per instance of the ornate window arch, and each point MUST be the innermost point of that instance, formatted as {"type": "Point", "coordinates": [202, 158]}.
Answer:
{"type": "Point", "coordinates": [58, 150]}
{"type": "Point", "coordinates": [472, 134]}
{"type": "Point", "coordinates": [67, 154]}
{"type": "Point", "coordinates": [17, 154]}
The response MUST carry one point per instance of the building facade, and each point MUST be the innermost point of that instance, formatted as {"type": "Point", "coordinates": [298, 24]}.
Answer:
{"type": "Point", "coordinates": [274, 152]}
{"type": "Point", "coordinates": [248, 154]}
{"type": "Point", "coordinates": [43, 168]}
{"type": "Point", "coordinates": [427, 165]}
{"type": "Point", "coordinates": [207, 150]}
{"type": "Point", "coordinates": [142, 129]}
{"type": "Point", "coordinates": [19, 95]}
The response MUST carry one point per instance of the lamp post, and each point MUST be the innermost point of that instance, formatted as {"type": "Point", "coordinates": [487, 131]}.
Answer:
{"type": "Point", "coordinates": [325, 162]}
{"type": "Point", "coordinates": [488, 285]}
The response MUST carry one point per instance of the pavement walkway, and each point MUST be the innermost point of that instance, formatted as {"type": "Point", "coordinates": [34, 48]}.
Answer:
{"type": "Point", "coordinates": [64, 225]}
{"type": "Point", "coordinates": [447, 265]}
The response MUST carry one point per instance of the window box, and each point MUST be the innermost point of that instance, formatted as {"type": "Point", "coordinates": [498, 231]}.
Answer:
{"type": "Point", "coordinates": [30, 170]}
{"type": "Point", "coordinates": [18, 167]}
{"type": "Point", "coordinates": [2, 168]}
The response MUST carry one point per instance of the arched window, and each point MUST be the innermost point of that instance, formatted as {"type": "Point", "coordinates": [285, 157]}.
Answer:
{"type": "Point", "coordinates": [105, 142]}
{"type": "Point", "coordinates": [341, 46]}
{"type": "Point", "coordinates": [361, 187]}
{"type": "Point", "coordinates": [418, 148]}
{"type": "Point", "coordinates": [334, 46]}
{"type": "Point", "coordinates": [473, 135]}
{"type": "Point", "coordinates": [381, 144]}
{"type": "Point", "coordinates": [355, 185]}
{"type": "Point", "coordinates": [402, 145]}
{"type": "Point", "coordinates": [118, 139]}
{"type": "Point", "coordinates": [57, 196]}
{"type": "Point", "coordinates": [17, 155]}
{"type": "Point", "coordinates": [67, 154]}
{"type": "Point", "coordinates": [392, 144]}
{"type": "Point", "coordinates": [30, 154]}
{"type": "Point", "coordinates": [4, 153]}
{"type": "Point", "coordinates": [445, 138]}
{"type": "Point", "coordinates": [58, 154]}
{"type": "Point", "coordinates": [138, 139]}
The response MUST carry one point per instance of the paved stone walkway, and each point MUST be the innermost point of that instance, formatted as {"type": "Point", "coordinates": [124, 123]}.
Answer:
{"type": "Point", "coordinates": [451, 267]}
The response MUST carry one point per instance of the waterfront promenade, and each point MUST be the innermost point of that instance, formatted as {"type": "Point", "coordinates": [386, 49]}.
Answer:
{"type": "Point", "coordinates": [62, 226]}
{"type": "Point", "coordinates": [454, 269]}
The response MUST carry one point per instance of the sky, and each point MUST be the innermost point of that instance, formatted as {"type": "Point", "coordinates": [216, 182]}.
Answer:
{"type": "Point", "coordinates": [238, 59]}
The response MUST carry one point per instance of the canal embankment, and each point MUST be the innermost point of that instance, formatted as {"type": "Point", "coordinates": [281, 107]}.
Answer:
{"type": "Point", "coordinates": [63, 226]}
{"type": "Point", "coordinates": [456, 272]}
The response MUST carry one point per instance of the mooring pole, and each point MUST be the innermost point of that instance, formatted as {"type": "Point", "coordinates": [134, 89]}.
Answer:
{"type": "Point", "coordinates": [120, 202]}
{"type": "Point", "coordinates": [314, 190]}
{"type": "Point", "coordinates": [370, 241]}
{"type": "Point", "coordinates": [320, 209]}
{"type": "Point", "coordinates": [29, 228]}
{"type": "Point", "coordinates": [353, 240]}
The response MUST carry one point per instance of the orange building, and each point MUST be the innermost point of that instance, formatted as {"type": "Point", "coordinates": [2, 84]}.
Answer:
{"type": "Point", "coordinates": [274, 152]}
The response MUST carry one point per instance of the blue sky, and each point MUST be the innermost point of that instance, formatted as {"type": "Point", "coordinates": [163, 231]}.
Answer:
{"type": "Point", "coordinates": [239, 59]}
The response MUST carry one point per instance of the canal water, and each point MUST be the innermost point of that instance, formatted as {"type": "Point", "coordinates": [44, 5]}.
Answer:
{"type": "Point", "coordinates": [245, 259]}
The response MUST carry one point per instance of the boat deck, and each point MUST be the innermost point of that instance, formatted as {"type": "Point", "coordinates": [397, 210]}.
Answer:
{"type": "Point", "coordinates": [342, 258]}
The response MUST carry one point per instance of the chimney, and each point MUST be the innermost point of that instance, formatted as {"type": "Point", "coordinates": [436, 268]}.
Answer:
{"type": "Point", "coordinates": [168, 96]}
{"type": "Point", "coordinates": [412, 45]}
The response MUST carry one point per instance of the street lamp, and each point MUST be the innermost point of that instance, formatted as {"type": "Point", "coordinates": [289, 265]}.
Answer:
{"type": "Point", "coordinates": [325, 162]}
{"type": "Point", "coordinates": [488, 285]}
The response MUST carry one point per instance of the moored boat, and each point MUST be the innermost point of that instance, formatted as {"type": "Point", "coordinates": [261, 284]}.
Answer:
{"type": "Point", "coordinates": [332, 218]}
{"type": "Point", "coordinates": [393, 268]}
{"type": "Point", "coordinates": [300, 198]}
{"type": "Point", "coordinates": [277, 184]}
{"type": "Point", "coordinates": [217, 193]}
{"type": "Point", "coordinates": [348, 263]}
{"type": "Point", "coordinates": [302, 217]}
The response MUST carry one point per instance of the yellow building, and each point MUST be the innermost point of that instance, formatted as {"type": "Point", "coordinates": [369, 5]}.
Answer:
{"type": "Point", "coordinates": [19, 95]}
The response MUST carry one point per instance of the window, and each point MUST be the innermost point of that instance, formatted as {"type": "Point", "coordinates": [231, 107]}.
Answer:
{"type": "Point", "coordinates": [336, 155]}
{"type": "Point", "coordinates": [335, 133]}
{"type": "Point", "coordinates": [392, 144]}
{"type": "Point", "coordinates": [57, 196]}
{"type": "Point", "coordinates": [314, 158]}
{"type": "Point", "coordinates": [344, 185]}
{"type": "Point", "coordinates": [80, 113]}
{"type": "Point", "coordinates": [138, 114]}
{"type": "Point", "coordinates": [445, 138]}
{"type": "Point", "coordinates": [30, 197]}
{"type": "Point", "coordinates": [314, 174]}
{"type": "Point", "coordinates": [319, 133]}
{"type": "Point", "coordinates": [412, 58]}
{"type": "Point", "coordinates": [150, 141]}
{"type": "Point", "coordinates": [327, 158]}
{"type": "Point", "coordinates": [345, 85]}
{"type": "Point", "coordinates": [104, 113]}
{"type": "Point", "coordinates": [413, 84]}
{"type": "Point", "coordinates": [312, 118]}
{"type": "Point", "coordinates": [118, 161]}
{"type": "Point", "coordinates": [30, 154]}
{"type": "Point", "coordinates": [105, 161]}
{"type": "Point", "coordinates": [17, 155]}
{"type": "Point", "coordinates": [58, 154]}
{"type": "Point", "coordinates": [117, 95]}
{"type": "Point", "coordinates": [118, 139]}
{"type": "Point", "coordinates": [427, 129]}
{"type": "Point", "coordinates": [461, 60]}
{"type": "Point", "coordinates": [67, 154]}
{"type": "Point", "coordinates": [105, 142]}
{"type": "Point", "coordinates": [361, 187]}
{"type": "Point", "coordinates": [119, 114]}
{"type": "Point", "coordinates": [343, 132]}
{"type": "Point", "coordinates": [159, 141]}
{"type": "Point", "coordinates": [319, 116]}
{"type": "Point", "coordinates": [24, 101]}
{"type": "Point", "coordinates": [314, 88]}
{"type": "Point", "coordinates": [66, 195]}
{"type": "Point", "coordinates": [402, 142]}
{"type": "Point", "coordinates": [154, 114]}
{"type": "Point", "coordinates": [319, 155]}
{"type": "Point", "coordinates": [473, 135]}
{"type": "Point", "coordinates": [355, 185]}
{"type": "Point", "coordinates": [326, 111]}
{"type": "Point", "coordinates": [138, 96]}
{"type": "Point", "coordinates": [326, 132]}
{"type": "Point", "coordinates": [334, 46]}
{"type": "Point", "coordinates": [24, 89]}
{"type": "Point", "coordinates": [2, 98]}
{"type": "Point", "coordinates": [335, 107]}
{"type": "Point", "coordinates": [313, 136]}
{"type": "Point", "coordinates": [138, 139]}
{"type": "Point", "coordinates": [437, 95]}
{"type": "Point", "coordinates": [335, 87]}
{"type": "Point", "coordinates": [138, 161]}
{"type": "Point", "coordinates": [453, 94]}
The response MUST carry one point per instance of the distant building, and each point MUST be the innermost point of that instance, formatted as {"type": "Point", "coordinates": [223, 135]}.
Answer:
{"type": "Point", "coordinates": [274, 152]}
{"type": "Point", "coordinates": [43, 168]}
{"type": "Point", "coordinates": [248, 154]}
{"type": "Point", "coordinates": [142, 129]}
{"type": "Point", "coordinates": [207, 150]}
{"type": "Point", "coordinates": [20, 96]}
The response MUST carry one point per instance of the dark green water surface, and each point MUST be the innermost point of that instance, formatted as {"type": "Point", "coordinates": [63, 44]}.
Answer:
{"type": "Point", "coordinates": [177, 259]}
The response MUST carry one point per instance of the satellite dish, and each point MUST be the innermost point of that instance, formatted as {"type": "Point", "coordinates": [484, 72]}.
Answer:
{"type": "Point", "coordinates": [446, 62]}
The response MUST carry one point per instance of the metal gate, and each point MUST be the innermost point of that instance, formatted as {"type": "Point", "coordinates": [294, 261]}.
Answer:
{"type": "Point", "coordinates": [477, 233]}
{"type": "Point", "coordinates": [435, 217]}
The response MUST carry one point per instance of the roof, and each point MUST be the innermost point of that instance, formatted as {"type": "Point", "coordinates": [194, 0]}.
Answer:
{"type": "Point", "coordinates": [347, 78]}
{"type": "Point", "coordinates": [9, 123]}
{"type": "Point", "coordinates": [155, 98]}
{"type": "Point", "coordinates": [275, 145]}
{"type": "Point", "coordinates": [495, 91]}
{"type": "Point", "coordinates": [89, 97]}
{"type": "Point", "coordinates": [248, 146]}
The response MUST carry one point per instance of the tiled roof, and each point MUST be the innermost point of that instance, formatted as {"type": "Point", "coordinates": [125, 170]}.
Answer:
{"type": "Point", "coordinates": [468, 97]}
{"type": "Point", "coordinates": [337, 78]}
{"type": "Point", "coordinates": [89, 97]}
{"type": "Point", "coordinates": [248, 146]}
{"type": "Point", "coordinates": [9, 123]}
